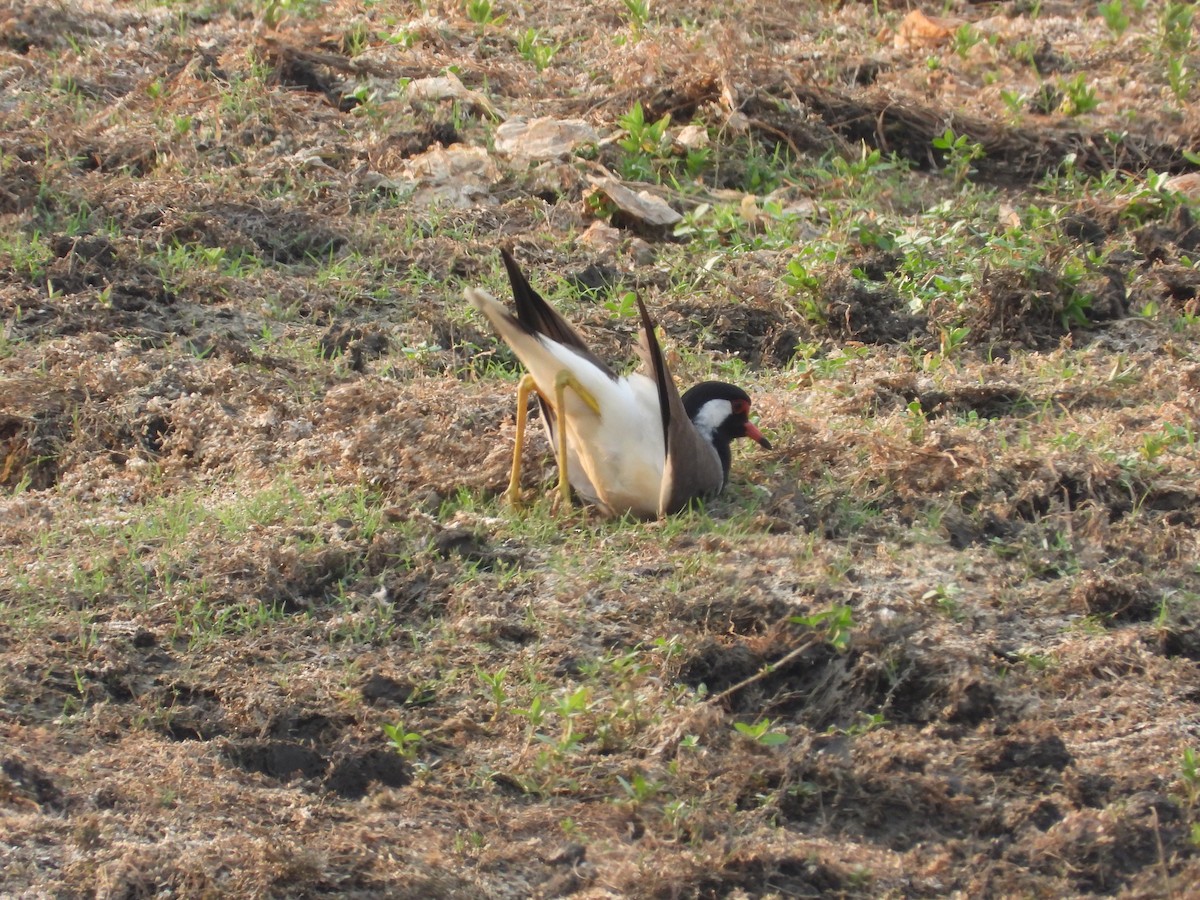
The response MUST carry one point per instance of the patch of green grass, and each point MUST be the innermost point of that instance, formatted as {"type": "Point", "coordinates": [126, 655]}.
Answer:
{"type": "Point", "coordinates": [966, 36]}
{"type": "Point", "coordinates": [739, 228]}
{"type": "Point", "coordinates": [275, 11]}
{"type": "Point", "coordinates": [163, 552]}
{"type": "Point", "coordinates": [484, 13]}
{"type": "Point", "coordinates": [1115, 17]}
{"type": "Point", "coordinates": [201, 624]}
{"type": "Point", "coordinates": [356, 39]}
{"type": "Point", "coordinates": [1181, 78]}
{"type": "Point", "coordinates": [181, 264]}
{"type": "Point", "coordinates": [27, 254]}
{"type": "Point", "coordinates": [1189, 783]}
{"type": "Point", "coordinates": [534, 48]}
{"type": "Point", "coordinates": [1176, 22]}
{"type": "Point", "coordinates": [1080, 96]}
{"type": "Point", "coordinates": [638, 16]}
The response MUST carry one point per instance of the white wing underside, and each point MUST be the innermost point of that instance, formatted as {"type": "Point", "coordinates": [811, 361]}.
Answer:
{"type": "Point", "coordinates": [615, 459]}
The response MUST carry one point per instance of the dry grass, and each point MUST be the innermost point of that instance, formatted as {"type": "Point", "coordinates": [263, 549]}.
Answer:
{"type": "Point", "coordinates": [251, 445]}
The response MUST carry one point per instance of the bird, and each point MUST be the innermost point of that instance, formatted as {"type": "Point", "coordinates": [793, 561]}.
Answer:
{"type": "Point", "coordinates": [628, 444]}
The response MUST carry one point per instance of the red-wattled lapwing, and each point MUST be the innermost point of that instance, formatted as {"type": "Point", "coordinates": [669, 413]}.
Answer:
{"type": "Point", "coordinates": [630, 443]}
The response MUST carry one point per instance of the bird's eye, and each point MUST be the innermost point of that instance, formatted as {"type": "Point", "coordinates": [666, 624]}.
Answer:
{"type": "Point", "coordinates": [741, 407]}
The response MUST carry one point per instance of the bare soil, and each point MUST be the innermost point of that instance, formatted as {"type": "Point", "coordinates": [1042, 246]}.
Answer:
{"type": "Point", "coordinates": [252, 442]}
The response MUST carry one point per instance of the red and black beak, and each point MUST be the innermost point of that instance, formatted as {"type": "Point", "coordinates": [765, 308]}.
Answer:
{"type": "Point", "coordinates": [751, 431]}
{"type": "Point", "coordinates": [741, 409]}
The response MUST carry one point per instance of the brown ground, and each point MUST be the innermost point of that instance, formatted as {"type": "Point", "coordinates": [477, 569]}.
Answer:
{"type": "Point", "coordinates": [251, 443]}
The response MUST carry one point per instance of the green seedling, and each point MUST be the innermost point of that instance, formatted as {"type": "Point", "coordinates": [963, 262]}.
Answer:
{"type": "Point", "coordinates": [1115, 16]}
{"type": "Point", "coordinates": [960, 153]}
{"type": "Point", "coordinates": [403, 741]}
{"type": "Point", "coordinates": [760, 732]}
{"type": "Point", "coordinates": [639, 15]}
{"type": "Point", "coordinates": [837, 621]}
{"type": "Point", "coordinates": [483, 13]}
{"type": "Point", "coordinates": [494, 682]}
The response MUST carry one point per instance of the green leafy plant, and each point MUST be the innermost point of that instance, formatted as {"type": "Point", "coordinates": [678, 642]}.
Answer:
{"type": "Point", "coordinates": [535, 713]}
{"type": "Point", "coordinates": [644, 143]}
{"type": "Point", "coordinates": [1170, 436]}
{"type": "Point", "coordinates": [1149, 199]}
{"type": "Point", "coordinates": [805, 286]}
{"type": "Point", "coordinates": [638, 789]}
{"type": "Point", "coordinates": [276, 10]}
{"type": "Point", "coordinates": [760, 732]}
{"type": "Point", "coordinates": [864, 723]}
{"type": "Point", "coordinates": [1115, 16]}
{"type": "Point", "coordinates": [535, 50]}
{"type": "Point", "coordinates": [483, 13]}
{"type": "Point", "coordinates": [1189, 777]}
{"type": "Point", "coordinates": [1014, 102]}
{"type": "Point", "coordinates": [622, 307]}
{"type": "Point", "coordinates": [966, 36]}
{"type": "Point", "coordinates": [1023, 51]}
{"type": "Point", "coordinates": [28, 254]}
{"type": "Point", "coordinates": [1153, 446]}
{"type": "Point", "coordinates": [639, 15]}
{"type": "Point", "coordinates": [403, 741]}
{"type": "Point", "coordinates": [1176, 23]}
{"type": "Point", "coordinates": [860, 176]}
{"type": "Point", "coordinates": [569, 707]}
{"type": "Point", "coordinates": [945, 597]}
{"type": "Point", "coordinates": [871, 235]}
{"type": "Point", "coordinates": [494, 682]}
{"type": "Point", "coordinates": [1180, 78]}
{"type": "Point", "coordinates": [917, 422]}
{"type": "Point", "coordinates": [356, 39]}
{"type": "Point", "coordinates": [1046, 99]}
{"type": "Point", "coordinates": [951, 338]}
{"type": "Point", "coordinates": [838, 622]}
{"type": "Point", "coordinates": [642, 136]}
{"type": "Point", "coordinates": [402, 37]}
{"type": "Point", "coordinates": [1037, 661]}
{"type": "Point", "coordinates": [1080, 97]}
{"type": "Point", "coordinates": [1074, 312]}
{"type": "Point", "coordinates": [960, 153]}
{"type": "Point", "coordinates": [677, 816]}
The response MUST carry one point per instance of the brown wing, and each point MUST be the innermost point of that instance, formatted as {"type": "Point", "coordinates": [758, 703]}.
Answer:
{"type": "Point", "coordinates": [692, 468]}
{"type": "Point", "coordinates": [651, 354]}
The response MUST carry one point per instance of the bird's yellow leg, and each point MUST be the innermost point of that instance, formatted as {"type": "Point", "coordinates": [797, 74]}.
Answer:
{"type": "Point", "coordinates": [562, 381]}
{"type": "Point", "coordinates": [524, 388]}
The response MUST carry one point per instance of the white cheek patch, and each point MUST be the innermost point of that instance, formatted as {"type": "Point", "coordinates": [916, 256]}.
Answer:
{"type": "Point", "coordinates": [710, 417]}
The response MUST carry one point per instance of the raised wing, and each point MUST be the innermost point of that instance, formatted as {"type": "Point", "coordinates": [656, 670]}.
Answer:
{"type": "Point", "coordinates": [692, 468]}
{"type": "Point", "coordinates": [539, 317]}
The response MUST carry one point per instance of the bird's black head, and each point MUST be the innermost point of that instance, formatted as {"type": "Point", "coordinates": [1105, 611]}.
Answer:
{"type": "Point", "coordinates": [721, 412]}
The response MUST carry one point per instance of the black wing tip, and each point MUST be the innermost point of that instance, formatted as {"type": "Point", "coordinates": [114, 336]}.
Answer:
{"type": "Point", "coordinates": [515, 276]}
{"type": "Point", "coordinates": [647, 322]}
{"type": "Point", "coordinates": [531, 308]}
{"type": "Point", "coordinates": [538, 317]}
{"type": "Point", "coordinates": [659, 367]}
